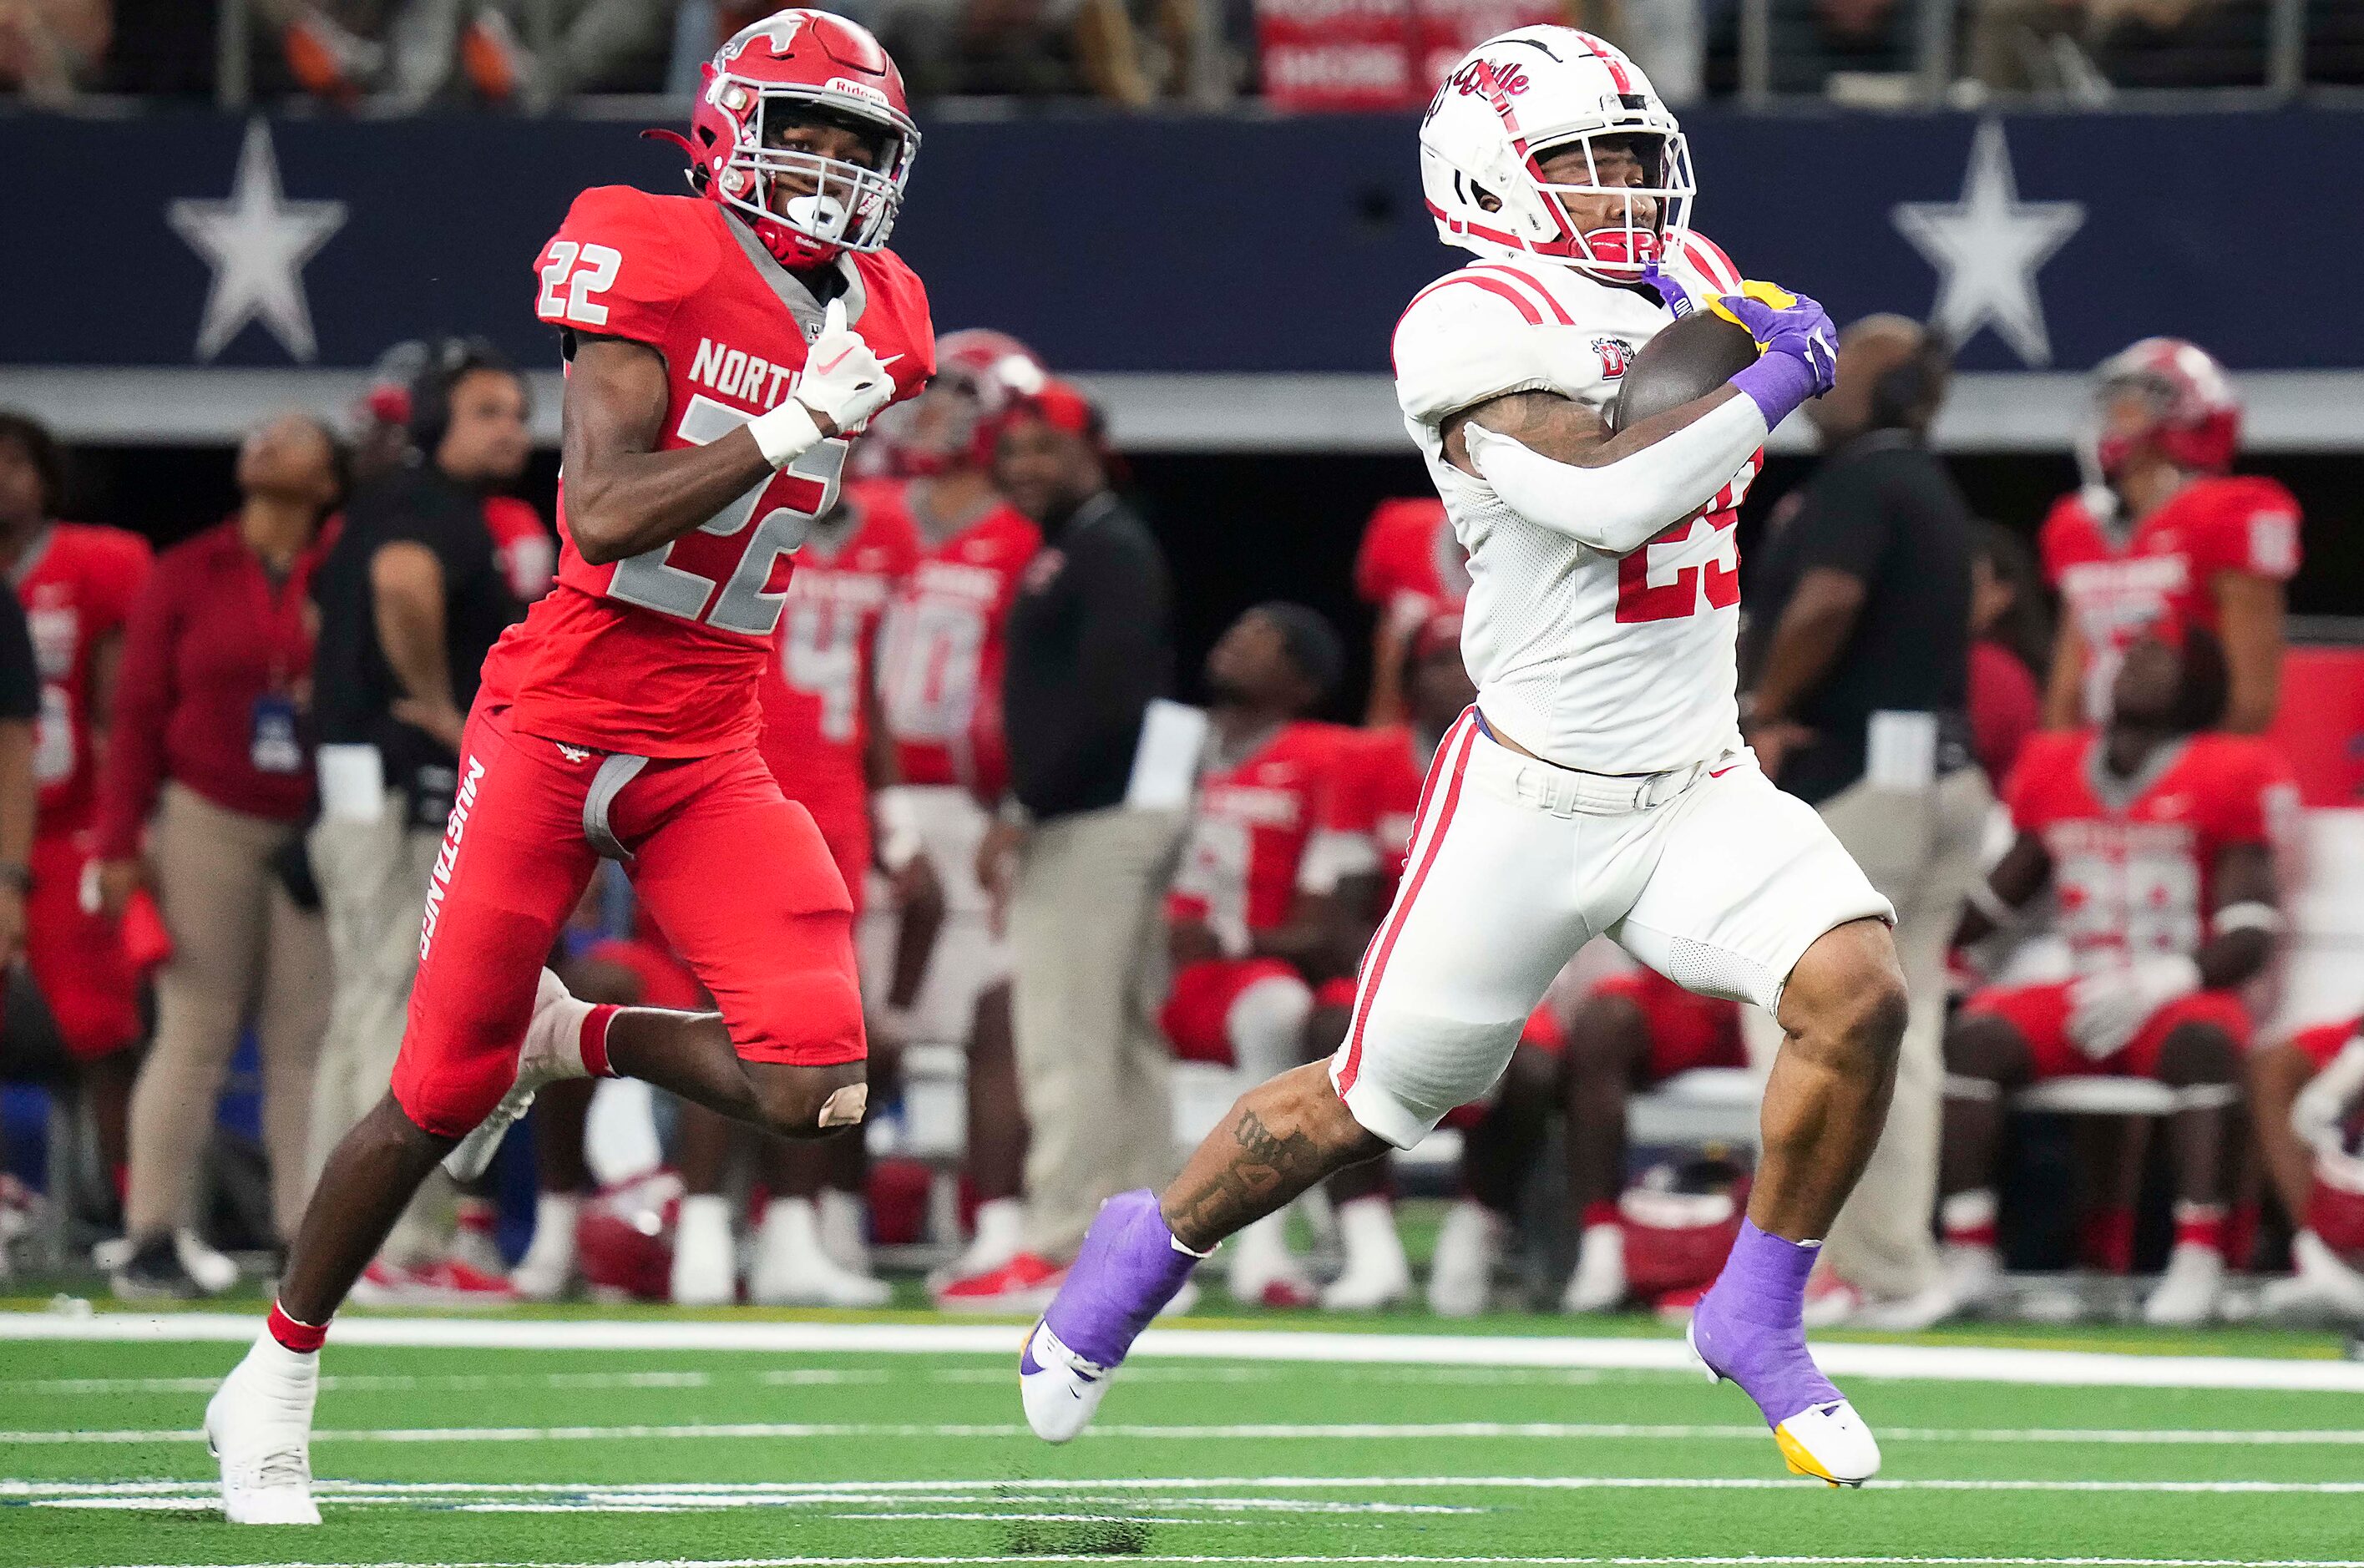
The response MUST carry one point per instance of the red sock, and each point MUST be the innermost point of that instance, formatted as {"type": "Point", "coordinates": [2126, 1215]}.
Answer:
{"type": "Point", "coordinates": [121, 1175]}
{"type": "Point", "coordinates": [2201, 1225]}
{"type": "Point", "coordinates": [2241, 1235]}
{"type": "Point", "coordinates": [301, 1338]}
{"type": "Point", "coordinates": [1599, 1211]}
{"type": "Point", "coordinates": [594, 1040]}
{"type": "Point", "coordinates": [2108, 1240]}
{"type": "Point", "coordinates": [1967, 1219]}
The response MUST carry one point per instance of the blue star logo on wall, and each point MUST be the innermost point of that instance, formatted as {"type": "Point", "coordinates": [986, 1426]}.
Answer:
{"type": "Point", "coordinates": [1988, 248]}
{"type": "Point", "coordinates": [257, 242]}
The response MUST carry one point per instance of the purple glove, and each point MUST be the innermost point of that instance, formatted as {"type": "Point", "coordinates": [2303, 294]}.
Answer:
{"type": "Point", "coordinates": [1800, 358]}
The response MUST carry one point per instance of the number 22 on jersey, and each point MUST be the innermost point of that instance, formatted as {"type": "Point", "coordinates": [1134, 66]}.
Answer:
{"type": "Point", "coordinates": [789, 501]}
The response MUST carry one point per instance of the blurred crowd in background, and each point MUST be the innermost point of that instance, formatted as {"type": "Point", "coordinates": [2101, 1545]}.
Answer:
{"type": "Point", "coordinates": [225, 774]}
{"type": "Point", "coordinates": [397, 56]}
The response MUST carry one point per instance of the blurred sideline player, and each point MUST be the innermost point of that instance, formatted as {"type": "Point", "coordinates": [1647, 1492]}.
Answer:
{"type": "Point", "coordinates": [2162, 533]}
{"type": "Point", "coordinates": [77, 582]}
{"type": "Point", "coordinates": [1600, 784]}
{"type": "Point", "coordinates": [721, 348]}
{"type": "Point", "coordinates": [940, 661]}
{"type": "Point", "coordinates": [1247, 940]}
{"type": "Point", "coordinates": [2156, 833]}
{"type": "Point", "coordinates": [2307, 1096]}
{"type": "Point", "coordinates": [1357, 861]}
{"type": "Point", "coordinates": [822, 742]}
{"type": "Point", "coordinates": [1410, 569]}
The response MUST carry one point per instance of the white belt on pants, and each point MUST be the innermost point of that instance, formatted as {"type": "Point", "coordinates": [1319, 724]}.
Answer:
{"type": "Point", "coordinates": [1571, 792]}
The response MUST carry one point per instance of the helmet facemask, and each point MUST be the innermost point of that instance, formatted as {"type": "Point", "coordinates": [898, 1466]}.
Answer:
{"type": "Point", "coordinates": [848, 206]}
{"type": "Point", "coordinates": [1644, 221]}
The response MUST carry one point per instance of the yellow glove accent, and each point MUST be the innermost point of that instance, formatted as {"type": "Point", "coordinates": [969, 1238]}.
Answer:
{"type": "Point", "coordinates": [1770, 294]}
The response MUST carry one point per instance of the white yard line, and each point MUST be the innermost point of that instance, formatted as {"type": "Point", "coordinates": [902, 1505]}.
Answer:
{"type": "Point", "coordinates": [1275, 1431]}
{"type": "Point", "coordinates": [1298, 1561]}
{"type": "Point", "coordinates": [1945, 1362]}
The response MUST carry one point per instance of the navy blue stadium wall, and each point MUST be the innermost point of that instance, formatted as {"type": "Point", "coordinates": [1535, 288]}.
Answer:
{"type": "Point", "coordinates": [1194, 245]}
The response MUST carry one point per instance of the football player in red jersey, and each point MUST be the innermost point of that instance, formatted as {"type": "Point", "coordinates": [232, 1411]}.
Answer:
{"type": "Point", "coordinates": [77, 582]}
{"type": "Point", "coordinates": [1247, 937]}
{"type": "Point", "coordinates": [721, 348]}
{"type": "Point", "coordinates": [1410, 569]}
{"type": "Point", "coordinates": [940, 697]}
{"type": "Point", "coordinates": [2156, 836]}
{"type": "Point", "coordinates": [2306, 1097]}
{"type": "Point", "coordinates": [2164, 534]}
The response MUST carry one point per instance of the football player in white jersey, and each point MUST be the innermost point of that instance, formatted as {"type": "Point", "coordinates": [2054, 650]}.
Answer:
{"type": "Point", "coordinates": [1600, 784]}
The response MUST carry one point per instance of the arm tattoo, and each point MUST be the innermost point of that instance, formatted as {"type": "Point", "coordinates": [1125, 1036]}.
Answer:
{"type": "Point", "coordinates": [1545, 422]}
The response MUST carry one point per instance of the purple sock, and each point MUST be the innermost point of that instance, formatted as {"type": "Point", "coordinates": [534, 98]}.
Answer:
{"type": "Point", "coordinates": [1778, 382]}
{"type": "Point", "coordinates": [1750, 1326]}
{"type": "Point", "coordinates": [1128, 1270]}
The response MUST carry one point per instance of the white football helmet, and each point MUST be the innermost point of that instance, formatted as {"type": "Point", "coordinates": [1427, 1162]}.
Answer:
{"type": "Point", "coordinates": [1523, 96]}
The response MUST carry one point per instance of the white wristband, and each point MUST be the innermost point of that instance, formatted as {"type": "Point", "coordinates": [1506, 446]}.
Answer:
{"type": "Point", "coordinates": [785, 433]}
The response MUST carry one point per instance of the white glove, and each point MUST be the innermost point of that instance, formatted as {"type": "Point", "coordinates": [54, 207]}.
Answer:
{"type": "Point", "coordinates": [842, 380]}
{"type": "Point", "coordinates": [2107, 1010]}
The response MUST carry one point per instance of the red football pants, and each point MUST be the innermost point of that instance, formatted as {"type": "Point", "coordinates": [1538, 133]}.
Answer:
{"type": "Point", "coordinates": [733, 872]}
{"type": "Point", "coordinates": [76, 957]}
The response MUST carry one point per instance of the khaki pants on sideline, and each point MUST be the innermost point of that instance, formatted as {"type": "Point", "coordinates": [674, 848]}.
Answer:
{"type": "Point", "coordinates": [1921, 849]}
{"type": "Point", "coordinates": [373, 878]}
{"type": "Point", "coordinates": [1087, 938]}
{"type": "Point", "coordinates": [240, 949]}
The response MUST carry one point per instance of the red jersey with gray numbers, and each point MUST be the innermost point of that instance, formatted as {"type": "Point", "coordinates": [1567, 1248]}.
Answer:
{"type": "Point", "coordinates": [1366, 814]}
{"type": "Point", "coordinates": [816, 724]}
{"type": "Point", "coordinates": [77, 582]}
{"type": "Point", "coordinates": [2134, 859]}
{"type": "Point", "coordinates": [661, 654]}
{"type": "Point", "coordinates": [1249, 827]}
{"type": "Point", "coordinates": [940, 658]}
{"type": "Point", "coordinates": [2164, 570]}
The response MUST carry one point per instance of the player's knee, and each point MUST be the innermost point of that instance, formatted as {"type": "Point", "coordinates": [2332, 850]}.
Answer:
{"type": "Point", "coordinates": [1986, 1049]}
{"type": "Point", "coordinates": [2197, 1053]}
{"type": "Point", "coordinates": [811, 1102]}
{"type": "Point", "coordinates": [1848, 996]}
{"type": "Point", "coordinates": [1304, 1101]}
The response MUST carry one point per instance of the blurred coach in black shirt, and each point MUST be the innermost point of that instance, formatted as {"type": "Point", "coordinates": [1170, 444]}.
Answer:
{"type": "Point", "coordinates": [1857, 663]}
{"type": "Point", "coordinates": [411, 598]}
{"type": "Point", "coordinates": [1090, 646]}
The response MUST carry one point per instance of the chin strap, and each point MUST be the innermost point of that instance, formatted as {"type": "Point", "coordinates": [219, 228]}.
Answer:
{"type": "Point", "coordinates": [695, 175]}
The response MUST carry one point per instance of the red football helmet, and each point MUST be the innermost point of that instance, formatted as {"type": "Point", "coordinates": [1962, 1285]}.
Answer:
{"type": "Point", "coordinates": [980, 373]}
{"type": "Point", "coordinates": [2194, 420]}
{"type": "Point", "coordinates": [792, 66]}
{"type": "Point", "coordinates": [623, 1237]}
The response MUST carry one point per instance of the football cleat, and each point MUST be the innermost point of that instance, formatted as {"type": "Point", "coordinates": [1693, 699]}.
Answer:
{"type": "Point", "coordinates": [1599, 1283]}
{"type": "Point", "coordinates": [1130, 1270]}
{"type": "Point", "coordinates": [259, 1425]}
{"type": "Point", "coordinates": [2188, 1293]}
{"type": "Point", "coordinates": [792, 1269]}
{"type": "Point", "coordinates": [1378, 1275]}
{"type": "Point", "coordinates": [1262, 1271]}
{"type": "Point", "coordinates": [1748, 1330]}
{"type": "Point", "coordinates": [1025, 1283]}
{"type": "Point", "coordinates": [705, 1257]}
{"type": "Point", "coordinates": [551, 1049]}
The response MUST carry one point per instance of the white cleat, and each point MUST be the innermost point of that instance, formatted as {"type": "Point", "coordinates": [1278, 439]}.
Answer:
{"type": "Point", "coordinates": [1599, 1283]}
{"type": "Point", "coordinates": [551, 1049]}
{"type": "Point", "coordinates": [1378, 1274]}
{"type": "Point", "coordinates": [1060, 1389]}
{"type": "Point", "coordinates": [705, 1258]}
{"type": "Point", "coordinates": [792, 1269]}
{"type": "Point", "coordinates": [259, 1425]}
{"type": "Point", "coordinates": [2189, 1290]}
{"type": "Point", "coordinates": [1828, 1442]}
{"type": "Point", "coordinates": [1973, 1276]}
{"type": "Point", "coordinates": [1468, 1246]}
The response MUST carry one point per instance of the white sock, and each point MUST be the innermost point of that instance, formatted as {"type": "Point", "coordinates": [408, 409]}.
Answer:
{"type": "Point", "coordinates": [554, 1214]}
{"type": "Point", "coordinates": [1366, 1228]}
{"type": "Point", "coordinates": [792, 1225]}
{"type": "Point", "coordinates": [1262, 1246]}
{"type": "Point", "coordinates": [841, 1216]}
{"type": "Point", "coordinates": [1266, 1027]}
{"type": "Point", "coordinates": [273, 1359]}
{"type": "Point", "coordinates": [707, 1214]}
{"type": "Point", "coordinates": [1001, 1226]}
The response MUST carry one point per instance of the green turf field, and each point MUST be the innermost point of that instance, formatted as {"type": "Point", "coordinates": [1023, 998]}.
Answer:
{"type": "Point", "coordinates": [483, 1456]}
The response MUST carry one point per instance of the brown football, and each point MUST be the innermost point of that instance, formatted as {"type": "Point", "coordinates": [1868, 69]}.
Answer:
{"type": "Point", "coordinates": [1684, 361]}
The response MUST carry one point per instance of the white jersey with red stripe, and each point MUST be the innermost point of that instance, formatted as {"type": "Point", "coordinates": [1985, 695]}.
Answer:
{"type": "Point", "coordinates": [1609, 665]}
